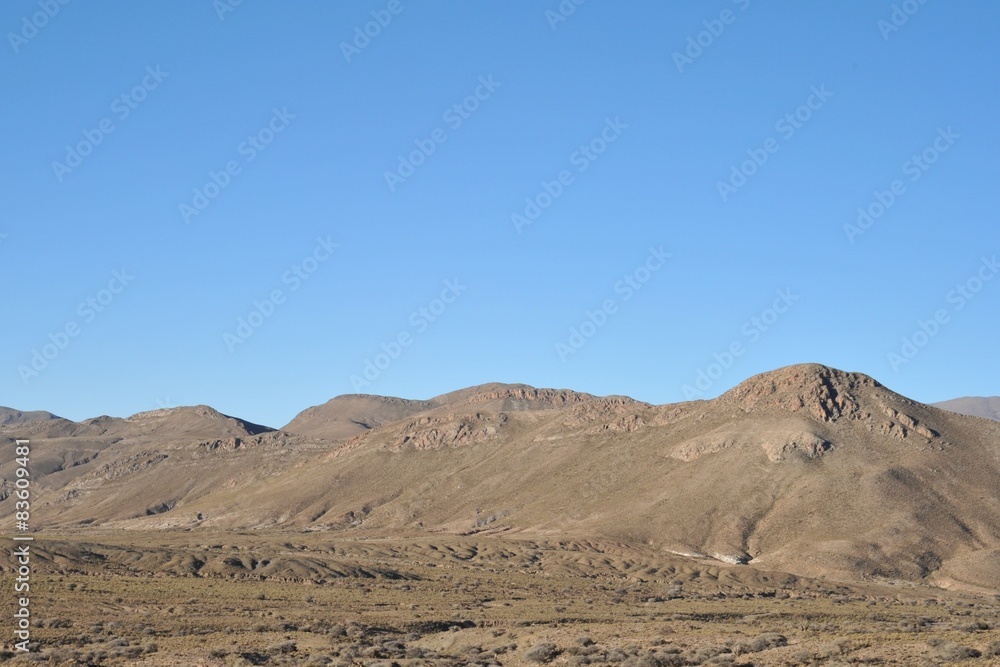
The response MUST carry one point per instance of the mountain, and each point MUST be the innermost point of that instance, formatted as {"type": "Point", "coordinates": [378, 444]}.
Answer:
{"type": "Point", "coordinates": [168, 422]}
{"type": "Point", "coordinates": [350, 415]}
{"type": "Point", "coordinates": [345, 416]}
{"type": "Point", "coordinates": [806, 469]}
{"type": "Point", "coordinates": [11, 416]}
{"type": "Point", "coordinates": [975, 406]}
{"type": "Point", "coordinates": [116, 462]}
{"type": "Point", "coordinates": [188, 421]}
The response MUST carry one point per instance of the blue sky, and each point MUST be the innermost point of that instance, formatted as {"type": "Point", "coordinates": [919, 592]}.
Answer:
{"type": "Point", "coordinates": [652, 199]}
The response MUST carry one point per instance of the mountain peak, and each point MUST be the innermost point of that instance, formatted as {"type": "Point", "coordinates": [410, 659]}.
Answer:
{"type": "Point", "coordinates": [12, 416]}
{"type": "Point", "coordinates": [200, 410]}
{"type": "Point", "coordinates": [347, 415]}
{"type": "Point", "coordinates": [827, 393]}
{"type": "Point", "coordinates": [192, 419]}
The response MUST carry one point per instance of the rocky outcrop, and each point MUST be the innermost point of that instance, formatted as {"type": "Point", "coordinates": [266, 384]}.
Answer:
{"type": "Point", "coordinates": [778, 444]}
{"type": "Point", "coordinates": [826, 394]}
{"type": "Point", "coordinates": [436, 433]}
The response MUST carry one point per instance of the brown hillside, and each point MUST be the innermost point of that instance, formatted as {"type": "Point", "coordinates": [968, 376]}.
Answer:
{"type": "Point", "coordinates": [806, 469]}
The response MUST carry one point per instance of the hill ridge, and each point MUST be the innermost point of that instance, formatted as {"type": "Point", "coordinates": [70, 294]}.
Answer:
{"type": "Point", "coordinates": [806, 469]}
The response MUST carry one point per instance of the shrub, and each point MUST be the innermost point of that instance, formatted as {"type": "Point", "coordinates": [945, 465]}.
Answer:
{"type": "Point", "coordinates": [283, 647]}
{"type": "Point", "coordinates": [543, 652]}
{"type": "Point", "coordinates": [724, 660]}
{"type": "Point", "coordinates": [976, 626]}
{"type": "Point", "coordinates": [616, 655]}
{"type": "Point", "coordinates": [952, 651]}
{"type": "Point", "coordinates": [705, 653]}
{"type": "Point", "coordinates": [657, 660]}
{"type": "Point", "coordinates": [760, 643]}
{"type": "Point", "coordinates": [130, 652]}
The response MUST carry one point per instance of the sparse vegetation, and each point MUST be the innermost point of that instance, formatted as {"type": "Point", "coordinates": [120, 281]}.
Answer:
{"type": "Point", "coordinates": [447, 601]}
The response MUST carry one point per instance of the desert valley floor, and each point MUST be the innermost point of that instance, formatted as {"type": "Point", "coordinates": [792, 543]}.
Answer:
{"type": "Point", "coordinates": [240, 598]}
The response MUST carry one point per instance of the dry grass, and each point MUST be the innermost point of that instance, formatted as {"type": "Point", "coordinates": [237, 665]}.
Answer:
{"type": "Point", "coordinates": [444, 600]}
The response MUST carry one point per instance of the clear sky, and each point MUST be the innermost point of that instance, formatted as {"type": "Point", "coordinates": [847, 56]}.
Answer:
{"type": "Point", "coordinates": [643, 198]}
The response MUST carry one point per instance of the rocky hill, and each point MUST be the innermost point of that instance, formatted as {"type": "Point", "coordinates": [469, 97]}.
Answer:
{"type": "Point", "coordinates": [806, 469]}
